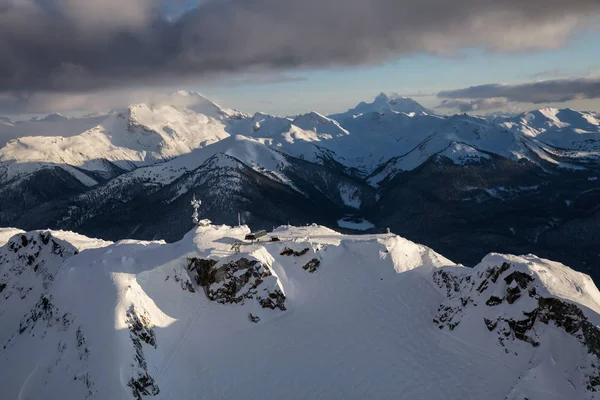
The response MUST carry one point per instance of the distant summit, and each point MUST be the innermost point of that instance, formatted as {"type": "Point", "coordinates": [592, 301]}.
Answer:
{"type": "Point", "coordinates": [200, 104]}
{"type": "Point", "coordinates": [54, 117]}
{"type": "Point", "coordinates": [6, 121]}
{"type": "Point", "coordinates": [383, 103]}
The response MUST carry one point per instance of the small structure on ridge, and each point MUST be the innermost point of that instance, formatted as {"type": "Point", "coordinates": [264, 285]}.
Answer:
{"type": "Point", "coordinates": [196, 205]}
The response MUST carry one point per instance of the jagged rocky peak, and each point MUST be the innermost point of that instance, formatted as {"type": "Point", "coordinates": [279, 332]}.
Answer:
{"type": "Point", "coordinates": [394, 102]}
{"type": "Point", "coordinates": [32, 249]}
{"type": "Point", "coordinates": [525, 301]}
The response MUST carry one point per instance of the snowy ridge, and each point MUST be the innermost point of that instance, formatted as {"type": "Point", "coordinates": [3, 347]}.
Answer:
{"type": "Point", "coordinates": [167, 319]}
{"type": "Point", "coordinates": [375, 140]}
{"type": "Point", "coordinates": [566, 129]}
{"type": "Point", "coordinates": [140, 135]}
{"type": "Point", "coordinates": [540, 314]}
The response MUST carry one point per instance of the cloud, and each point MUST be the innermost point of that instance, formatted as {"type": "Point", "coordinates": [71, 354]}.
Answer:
{"type": "Point", "coordinates": [550, 73]}
{"type": "Point", "coordinates": [419, 93]}
{"type": "Point", "coordinates": [549, 91]}
{"type": "Point", "coordinates": [474, 105]}
{"type": "Point", "coordinates": [555, 73]}
{"type": "Point", "coordinates": [41, 102]}
{"type": "Point", "coordinates": [82, 45]}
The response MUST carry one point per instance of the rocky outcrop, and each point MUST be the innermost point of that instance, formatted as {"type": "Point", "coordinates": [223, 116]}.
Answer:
{"type": "Point", "coordinates": [312, 266]}
{"type": "Point", "coordinates": [238, 281]}
{"type": "Point", "coordinates": [141, 331]}
{"type": "Point", "coordinates": [289, 252]}
{"type": "Point", "coordinates": [45, 312]}
{"type": "Point", "coordinates": [28, 263]}
{"type": "Point", "coordinates": [467, 289]}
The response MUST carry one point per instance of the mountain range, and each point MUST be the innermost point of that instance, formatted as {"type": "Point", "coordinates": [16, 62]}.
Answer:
{"type": "Point", "coordinates": [306, 312]}
{"type": "Point", "coordinates": [515, 184]}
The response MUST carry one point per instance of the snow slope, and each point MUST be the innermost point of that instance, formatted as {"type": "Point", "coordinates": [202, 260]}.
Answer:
{"type": "Point", "coordinates": [564, 129]}
{"type": "Point", "coordinates": [140, 135]}
{"type": "Point", "coordinates": [316, 314]}
{"type": "Point", "coordinates": [374, 140]}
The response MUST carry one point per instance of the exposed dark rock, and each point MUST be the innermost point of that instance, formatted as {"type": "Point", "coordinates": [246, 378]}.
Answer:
{"type": "Point", "coordinates": [236, 282]}
{"type": "Point", "coordinates": [45, 311]}
{"type": "Point", "coordinates": [203, 270]}
{"type": "Point", "coordinates": [289, 252]}
{"type": "Point", "coordinates": [141, 330]}
{"type": "Point", "coordinates": [496, 272]}
{"type": "Point", "coordinates": [521, 328]}
{"type": "Point", "coordinates": [45, 237]}
{"type": "Point", "coordinates": [562, 314]}
{"type": "Point", "coordinates": [491, 325]}
{"type": "Point", "coordinates": [185, 282]}
{"type": "Point", "coordinates": [140, 327]}
{"type": "Point", "coordinates": [312, 266]}
{"type": "Point", "coordinates": [445, 316]}
{"type": "Point", "coordinates": [512, 294]}
{"type": "Point", "coordinates": [484, 285]}
{"type": "Point", "coordinates": [447, 280]}
{"type": "Point", "coordinates": [253, 318]}
{"type": "Point", "coordinates": [493, 301]}
{"type": "Point", "coordinates": [230, 279]}
{"type": "Point", "coordinates": [143, 386]}
{"type": "Point", "coordinates": [83, 350]}
{"type": "Point", "coordinates": [570, 317]}
{"type": "Point", "coordinates": [521, 278]}
{"type": "Point", "coordinates": [593, 382]}
{"type": "Point", "coordinates": [276, 299]}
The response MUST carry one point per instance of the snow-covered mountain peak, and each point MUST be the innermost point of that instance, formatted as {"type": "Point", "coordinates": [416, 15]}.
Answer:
{"type": "Point", "coordinates": [202, 105]}
{"type": "Point", "coordinates": [381, 104]}
{"type": "Point", "coordinates": [316, 122]}
{"type": "Point", "coordinates": [123, 321]}
{"type": "Point", "coordinates": [564, 129]}
{"type": "Point", "coordinates": [141, 134]}
{"type": "Point", "coordinates": [395, 102]}
{"type": "Point", "coordinates": [54, 117]}
{"type": "Point", "coordinates": [554, 118]}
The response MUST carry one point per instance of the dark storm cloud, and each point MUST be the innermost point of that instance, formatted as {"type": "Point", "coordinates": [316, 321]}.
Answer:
{"type": "Point", "coordinates": [81, 45]}
{"type": "Point", "coordinates": [550, 91]}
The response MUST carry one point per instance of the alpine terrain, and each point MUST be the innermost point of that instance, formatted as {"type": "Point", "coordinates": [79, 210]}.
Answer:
{"type": "Point", "coordinates": [516, 184]}
{"type": "Point", "coordinates": [306, 312]}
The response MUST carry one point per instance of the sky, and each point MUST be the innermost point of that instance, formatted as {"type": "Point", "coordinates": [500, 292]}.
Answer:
{"type": "Point", "coordinates": [294, 56]}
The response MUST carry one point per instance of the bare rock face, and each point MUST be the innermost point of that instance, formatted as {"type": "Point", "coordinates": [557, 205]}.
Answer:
{"type": "Point", "coordinates": [238, 281]}
{"type": "Point", "coordinates": [289, 252]}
